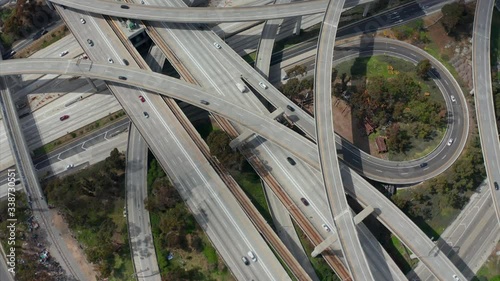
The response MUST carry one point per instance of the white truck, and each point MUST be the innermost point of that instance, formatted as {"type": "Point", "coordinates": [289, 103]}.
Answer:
{"type": "Point", "coordinates": [241, 87]}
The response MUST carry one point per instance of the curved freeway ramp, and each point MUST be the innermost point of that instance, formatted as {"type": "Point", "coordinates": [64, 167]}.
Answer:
{"type": "Point", "coordinates": [485, 110]}
{"type": "Point", "coordinates": [329, 165]}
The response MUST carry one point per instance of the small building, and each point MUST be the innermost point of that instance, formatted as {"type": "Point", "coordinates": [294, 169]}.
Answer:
{"type": "Point", "coordinates": [381, 145]}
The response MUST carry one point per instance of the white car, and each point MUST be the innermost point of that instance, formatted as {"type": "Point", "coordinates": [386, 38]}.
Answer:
{"type": "Point", "coordinates": [62, 54]}
{"type": "Point", "coordinates": [110, 60]}
{"type": "Point", "coordinates": [450, 142]}
{"type": "Point", "coordinates": [456, 277]}
{"type": "Point", "coordinates": [70, 166]}
{"type": "Point", "coordinates": [453, 99]}
{"type": "Point", "coordinates": [262, 85]}
{"type": "Point", "coordinates": [82, 21]}
{"type": "Point", "coordinates": [326, 227]}
{"type": "Point", "coordinates": [252, 256]}
{"type": "Point", "coordinates": [217, 45]}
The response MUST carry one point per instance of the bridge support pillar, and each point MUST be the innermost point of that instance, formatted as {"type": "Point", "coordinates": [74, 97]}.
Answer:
{"type": "Point", "coordinates": [324, 245]}
{"type": "Point", "coordinates": [363, 214]}
{"type": "Point", "coordinates": [367, 9]}
{"type": "Point", "coordinates": [298, 23]}
{"type": "Point", "coordinates": [91, 83]}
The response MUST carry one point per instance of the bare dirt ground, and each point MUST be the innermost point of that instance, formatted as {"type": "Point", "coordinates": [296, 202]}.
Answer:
{"type": "Point", "coordinates": [72, 244]}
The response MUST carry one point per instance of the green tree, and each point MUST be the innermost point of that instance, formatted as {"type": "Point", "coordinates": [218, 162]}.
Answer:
{"type": "Point", "coordinates": [423, 68]}
{"type": "Point", "coordinates": [398, 140]}
{"type": "Point", "coordinates": [291, 88]}
{"type": "Point", "coordinates": [452, 13]}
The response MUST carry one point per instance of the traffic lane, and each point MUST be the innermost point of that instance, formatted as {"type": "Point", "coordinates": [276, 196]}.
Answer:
{"type": "Point", "coordinates": [301, 181]}
{"type": "Point", "coordinates": [134, 116]}
{"type": "Point", "coordinates": [84, 145]}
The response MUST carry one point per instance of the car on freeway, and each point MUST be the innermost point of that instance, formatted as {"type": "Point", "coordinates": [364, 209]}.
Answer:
{"type": "Point", "coordinates": [423, 165]}
{"type": "Point", "coordinates": [110, 60]}
{"type": "Point", "coordinates": [142, 98]}
{"type": "Point", "coordinates": [217, 45]}
{"type": "Point", "coordinates": [304, 201]}
{"type": "Point", "coordinates": [204, 102]}
{"type": "Point", "coordinates": [245, 260]}
{"type": "Point", "coordinates": [125, 62]}
{"type": "Point", "coordinates": [450, 142]}
{"type": "Point", "coordinates": [262, 85]}
{"type": "Point", "coordinates": [69, 166]}
{"type": "Point", "coordinates": [124, 7]}
{"type": "Point", "coordinates": [291, 161]}
{"type": "Point", "coordinates": [82, 20]}
{"type": "Point", "coordinates": [496, 185]}
{"type": "Point", "coordinates": [44, 31]}
{"type": "Point", "coordinates": [85, 57]}
{"type": "Point", "coordinates": [456, 277]}
{"type": "Point", "coordinates": [64, 117]}
{"type": "Point", "coordinates": [63, 53]}
{"type": "Point", "coordinates": [326, 227]}
{"type": "Point", "coordinates": [90, 42]}
{"type": "Point", "coordinates": [290, 108]}
{"type": "Point", "coordinates": [122, 77]}
{"type": "Point", "coordinates": [17, 182]}
{"type": "Point", "coordinates": [252, 256]}
{"type": "Point", "coordinates": [145, 114]}
{"type": "Point", "coordinates": [285, 77]}
{"type": "Point", "coordinates": [453, 99]}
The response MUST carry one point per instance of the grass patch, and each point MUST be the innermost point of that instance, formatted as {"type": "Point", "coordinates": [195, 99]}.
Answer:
{"type": "Point", "coordinates": [71, 136]}
{"type": "Point", "coordinates": [45, 41]}
{"type": "Point", "coordinates": [251, 184]}
{"type": "Point", "coordinates": [304, 35]}
{"type": "Point", "coordinates": [495, 37]}
{"type": "Point", "coordinates": [490, 271]}
{"type": "Point", "coordinates": [7, 40]}
{"type": "Point", "coordinates": [320, 266]}
{"type": "Point", "coordinates": [250, 58]}
{"type": "Point", "coordinates": [210, 253]}
{"type": "Point", "coordinates": [404, 253]}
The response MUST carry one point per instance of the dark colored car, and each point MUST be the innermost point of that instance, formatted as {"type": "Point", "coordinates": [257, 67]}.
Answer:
{"type": "Point", "coordinates": [44, 32]}
{"type": "Point", "coordinates": [245, 260]}
{"type": "Point", "coordinates": [204, 102]}
{"type": "Point", "coordinates": [496, 185]}
{"type": "Point", "coordinates": [145, 114]}
{"type": "Point", "coordinates": [64, 117]}
{"type": "Point", "coordinates": [125, 62]}
{"type": "Point", "coordinates": [124, 7]}
{"type": "Point", "coordinates": [91, 43]}
{"type": "Point", "coordinates": [291, 161]}
{"type": "Point", "coordinates": [304, 201]}
{"type": "Point", "coordinates": [290, 108]}
{"type": "Point", "coordinates": [122, 77]}
{"type": "Point", "coordinates": [423, 165]}
{"type": "Point", "coordinates": [142, 98]}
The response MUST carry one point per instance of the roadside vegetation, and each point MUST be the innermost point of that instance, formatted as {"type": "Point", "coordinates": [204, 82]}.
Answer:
{"type": "Point", "coordinates": [183, 250]}
{"type": "Point", "coordinates": [321, 267]}
{"type": "Point", "coordinates": [434, 204]}
{"type": "Point", "coordinates": [91, 202]}
{"type": "Point", "coordinates": [23, 19]}
{"type": "Point", "coordinates": [30, 244]}
{"type": "Point", "coordinates": [46, 40]}
{"type": "Point", "coordinates": [490, 271]}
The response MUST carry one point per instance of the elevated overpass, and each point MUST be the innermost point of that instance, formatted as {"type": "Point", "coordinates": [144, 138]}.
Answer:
{"type": "Point", "coordinates": [201, 15]}
{"type": "Point", "coordinates": [401, 226]}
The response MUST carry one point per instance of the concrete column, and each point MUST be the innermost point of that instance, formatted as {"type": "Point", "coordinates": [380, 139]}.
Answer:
{"type": "Point", "coordinates": [367, 9]}
{"type": "Point", "coordinates": [91, 83]}
{"type": "Point", "coordinates": [298, 23]}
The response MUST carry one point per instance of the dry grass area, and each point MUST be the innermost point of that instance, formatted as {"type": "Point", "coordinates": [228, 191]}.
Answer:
{"type": "Point", "coordinates": [44, 41]}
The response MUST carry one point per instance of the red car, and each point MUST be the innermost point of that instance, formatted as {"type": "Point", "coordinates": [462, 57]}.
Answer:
{"type": "Point", "coordinates": [142, 98]}
{"type": "Point", "coordinates": [64, 117]}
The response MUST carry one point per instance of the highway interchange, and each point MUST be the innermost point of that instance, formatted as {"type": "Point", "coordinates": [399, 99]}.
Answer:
{"type": "Point", "coordinates": [272, 131]}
